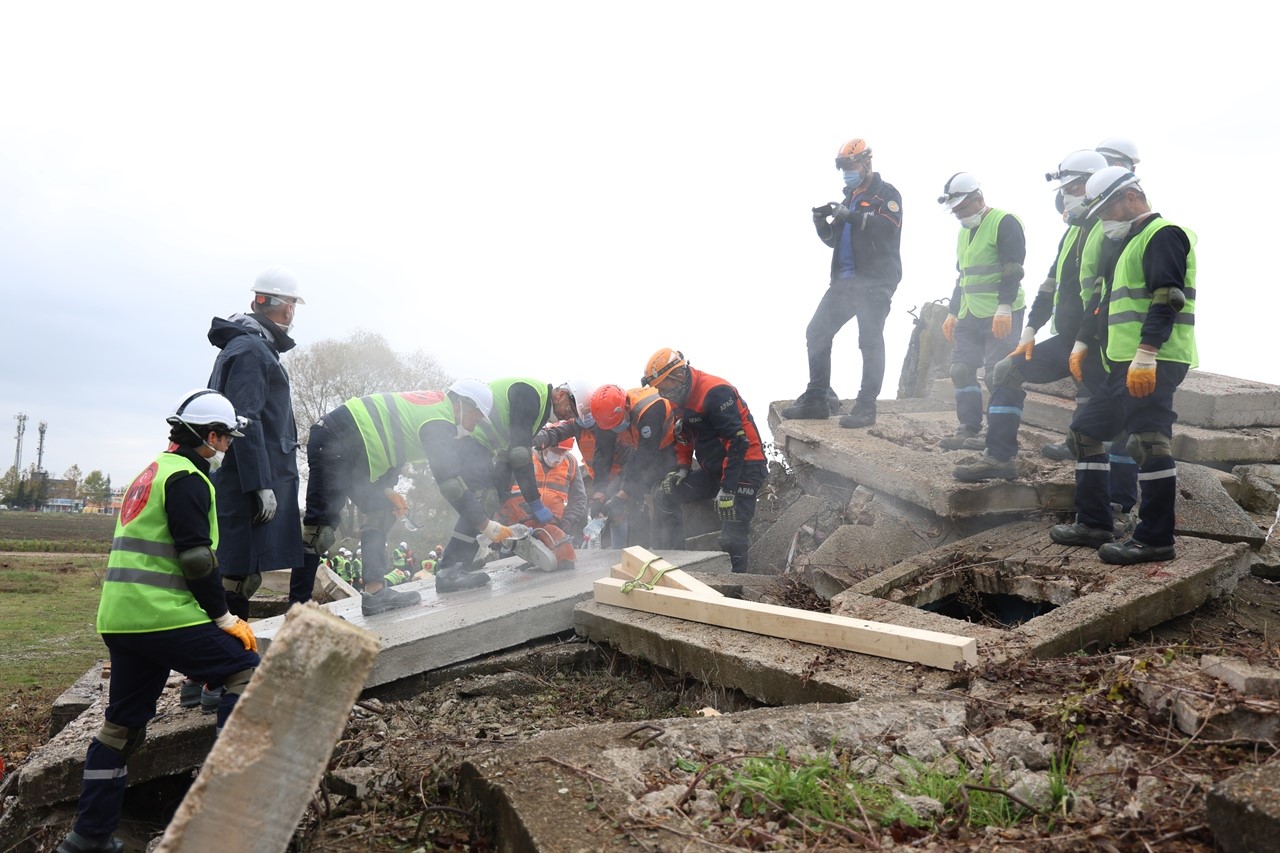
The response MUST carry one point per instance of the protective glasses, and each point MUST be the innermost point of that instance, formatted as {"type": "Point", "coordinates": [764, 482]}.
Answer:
{"type": "Point", "coordinates": [847, 164]}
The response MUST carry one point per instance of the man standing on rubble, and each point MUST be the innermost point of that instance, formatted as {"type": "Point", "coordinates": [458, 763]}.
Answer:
{"type": "Point", "coordinates": [258, 484]}
{"type": "Point", "coordinates": [985, 319]}
{"type": "Point", "coordinates": [717, 428]}
{"type": "Point", "coordinates": [1142, 319]}
{"type": "Point", "coordinates": [864, 231]}
{"type": "Point", "coordinates": [163, 607]}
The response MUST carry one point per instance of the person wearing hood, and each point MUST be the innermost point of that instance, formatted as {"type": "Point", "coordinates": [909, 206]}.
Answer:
{"type": "Point", "coordinates": [257, 483]}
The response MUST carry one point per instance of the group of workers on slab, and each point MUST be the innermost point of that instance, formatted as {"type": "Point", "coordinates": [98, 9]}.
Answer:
{"type": "Point", "coordinates": [1119, 297]}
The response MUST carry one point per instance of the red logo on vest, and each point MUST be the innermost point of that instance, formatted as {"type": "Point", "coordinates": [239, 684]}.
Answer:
{"type": "Point", "coordinates": [139, 491]}
{"type": "Point", "coordinates": [422, 398]}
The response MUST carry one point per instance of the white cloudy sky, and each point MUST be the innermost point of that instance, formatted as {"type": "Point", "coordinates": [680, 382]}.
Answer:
{"type": "Point", "coordinates": [556, 189]}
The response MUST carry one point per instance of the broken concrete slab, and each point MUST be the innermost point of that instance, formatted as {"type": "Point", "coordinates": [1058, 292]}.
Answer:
{"type": "Point", "coordinates": [899, 457]}
{"type": "Point", "coordinates": [178, 739]}
{"type": "Point", "coordinates": [1044, 599]}
{"type": "Point", "coordinates": [1204, 509]}
{"type": "Point", "coordinates": [516, 607]}
{"type": "Point", "coordinates": [1209, 400]}
{"type": "Point", "coordinates": [1250, 679]}
{"type": "Point", "coordinates": [264, 767]}
{"type": "Point", "coordinates": [1195, 703]}
{"type": "Point", "coordinates": [770, 552]}
{"type": "Point", "coordinates": [77, 698]}
{"type": "Point", "coordinates": [598, 776]}
{"type": "Point", "coordinates": [1244, 810]}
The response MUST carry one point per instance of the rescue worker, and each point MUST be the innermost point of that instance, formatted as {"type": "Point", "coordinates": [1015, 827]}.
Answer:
{"type": "Point", "coordinates": [428, 567]}
{"type": "Point", "coordinates": [356, 452]}
{"type": "Point", "coordinates": [1060, 296]}
{"type": "Point", "coordinates": [1142, 319]}
{"type": "Point", "coordinates": [559, 476]}
{"type": "Point", "coordinates": [163, 607]}
{"type": "Point", "coordinates": [717, 429]}
{"type": "Point", "coordinates": [1119, 151]}
{"type": "Point", "coordinates": [645, 422]}
{"type": "Point", "coordinates": [400, 556]}
{"type": "Point", "coordinates": [257, 486]}
{"type": "Point", "coordinates": [498, 451]}
{"type": "Point", "coordinates": [985, 319]}
{"type": "Point", "coordinates": [864, 232]}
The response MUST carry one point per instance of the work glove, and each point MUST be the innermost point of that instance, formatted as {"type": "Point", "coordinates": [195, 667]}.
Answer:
{"type": "Point", "coordinates": [724, 506]}
{"type": "Point", "coordinates": [496, 532]}
{"type": "Point", "coordinates": [1142, 373]}
{"type": "Point", "coordinates": [820, 214]}
{"type": "Point", "coordinates": [949, 328]}
{"type": "Point", "coordinates": [238, 628]}
{"type": "Point", "coordinates": [596, 506]}
{"type": "Point", "coordinates": [540, 440]}
{"type": "Point", "coordinates": [673, 480]}
{"type": "Point", "coordinates": [264, 503]}
{"type": "Point", "coordinates": [616, 506]}
{"type": "Point", "coordinates": [840, 213]}
{"type": "Point", "coordinates": [1076, 360]}
{"type": "Point", "coordinates": [399, 507]}
{"type": "Point", "coordinates": [539, 511]}
{"type": "Point", "coordinates": [1026, 344]}
{"type": "Point", "coordinates": [1002, 322]}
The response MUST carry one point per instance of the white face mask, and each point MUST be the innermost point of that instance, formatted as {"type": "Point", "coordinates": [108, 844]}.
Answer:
{"type": "Point", "coordinates": [971, 221]}
{"type": "Point", "coordinates": [1071, 203]}
{"type": "Point", "coordinates": [215, 461]}
{"type": "Point", "coordinates": [552, 458]}
{"type": "Point", "coordinates": [1116, 230]}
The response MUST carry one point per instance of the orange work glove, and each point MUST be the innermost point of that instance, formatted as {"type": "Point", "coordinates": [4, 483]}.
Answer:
{"type": "Point", "coordinates": [1002, 322]}
{"type": "Point", "coordinates": [1076, 362]}
{"type": "Point", "coordinates": [1142, 373]}
{"type": "Point", "coordinates": [498, 533]}
{"type": "Point", "coordinates": [238, 628]}
{"type": "Point", "coordinates": [399, 506]}
{"type": "Point", "coordinates": [949, 328]}
{"type": "Point", "coordinates": [1026, 345]}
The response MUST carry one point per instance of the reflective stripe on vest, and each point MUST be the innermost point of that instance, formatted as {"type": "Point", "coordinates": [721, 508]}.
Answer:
{"type": "Point", "coordinates": [495, 433]}
{"type": "Point", "coordinates": [1130, 300]}
{"type": "Point", "coordinates": [639, 400]}
{"type": "Point", "coordinates": [389, 425]}
{"type": "Point", "coordinates": [979, 261]}
{"type": "Point", "coordinates": [1090, 262]}
{"type": "Point", "coordinates": [144, 589]}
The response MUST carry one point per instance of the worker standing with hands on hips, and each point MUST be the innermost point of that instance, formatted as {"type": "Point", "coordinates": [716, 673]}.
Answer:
{"type": "Point", "coordinates": [1143, 319]}
{"type": "Point", "coordinates": [985, 320]}
{"type": "Point", "coordinates": [163, 607]}
{"type": "Point", "coordinates": [864, 231]}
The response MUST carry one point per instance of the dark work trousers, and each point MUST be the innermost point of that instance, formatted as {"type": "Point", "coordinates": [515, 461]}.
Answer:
{"type": "Point", "coordinates": [974, 346]}
{"type": "Point", "coordinates": [140, 665]}
{"type": "Point", "coordinates": [338, 472]}
{"type": "Point", "coordinates": [704, 483]}
{"type": "Point", "coordinates": [1050, 361]}
{"type": "Point", "coordinates": [1111, 409]}
{"type": "Point", "coordinates": [480, 474]}
{"type": "Point", "coordinates": [845, 299]}
{"type": "Point", "coordinates": [668, 521]}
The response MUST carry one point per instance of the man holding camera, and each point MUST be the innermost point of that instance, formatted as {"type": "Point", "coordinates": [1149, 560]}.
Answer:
{"type": "Point", "coordinates": [864, 232]}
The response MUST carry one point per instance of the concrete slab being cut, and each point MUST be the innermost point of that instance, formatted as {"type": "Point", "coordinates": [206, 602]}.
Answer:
{"type": "Point", "coordinates": [1038, 598]}
{"type": "Point", "coordinates": [899, 457]}
{"type": "Point", "coordinates": [515, 607]}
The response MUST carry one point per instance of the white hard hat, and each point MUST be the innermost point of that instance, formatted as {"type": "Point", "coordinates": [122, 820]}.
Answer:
{"type": "Point", "coordinates": [581, 391]}
{"type": "Point", "coordinates": [480, 394]}
{"type": "Point", "coordinates": [958, 187]}
{"type": "Point", "coordinates": [277, 282]}
{"type": "Point", "coordinates": [1076, 165]}
{"type": "Point", "coordinates": [404, 544]}
{"type": "Point", "coordinates": [206, 407]}
{"type": "Point", "coordinates": [1105, 183]}
{"type": "Point", "coordinates": [1119, 151]}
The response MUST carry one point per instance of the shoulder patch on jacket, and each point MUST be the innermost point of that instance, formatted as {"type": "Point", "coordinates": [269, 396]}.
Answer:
{"type": "Point", "coordinates": [893, 205]}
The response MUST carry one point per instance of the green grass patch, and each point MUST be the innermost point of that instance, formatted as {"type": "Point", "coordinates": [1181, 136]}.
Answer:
{"type": "Point", "coordinates": [46, 546]}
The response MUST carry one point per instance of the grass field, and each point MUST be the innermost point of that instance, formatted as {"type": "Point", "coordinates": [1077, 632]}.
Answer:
{"type": "Point", "coordinates": [48, 602]}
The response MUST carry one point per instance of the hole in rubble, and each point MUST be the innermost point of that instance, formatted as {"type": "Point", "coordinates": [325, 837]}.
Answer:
{"type": "Point", "coordinates": [988, 594]}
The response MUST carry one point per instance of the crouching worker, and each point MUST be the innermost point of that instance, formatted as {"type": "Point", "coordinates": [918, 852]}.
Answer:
{"type": "Point", "coordinates": [163, 607]}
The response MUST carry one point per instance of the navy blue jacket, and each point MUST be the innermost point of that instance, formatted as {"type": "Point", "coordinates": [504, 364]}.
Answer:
{"type": "Point", "coordinates": [249, 374]}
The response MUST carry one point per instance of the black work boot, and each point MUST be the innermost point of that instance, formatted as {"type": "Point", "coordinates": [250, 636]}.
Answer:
{"type": "Point", "coordinates": [810, 405]}
{"type": "Point", "coordinates": [1058, 452]}
{"type": "Point", "coordinates": [986, 468]}
{"type": "Point", "coordinates": [77, 843]}
{"type": "Point", "coordinates": [1133, 551]}
{"type": "Point", "coordinates": [863, 414]}
{"type": "Point", "coordinates": [959, 441]}
{"type": "Point", "coordinates": [386, 599]}
{"type": "Point", "coordinates": [455, 578]}
{"type": "Point", "coordinates": [1080, 534]}
{"type": "Point", "coordinates": [833, 402]}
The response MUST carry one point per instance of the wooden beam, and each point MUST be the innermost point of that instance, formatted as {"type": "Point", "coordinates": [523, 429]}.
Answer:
{"type": "Point", "coordinates": [931, 648]}
{"type": "Point", "coordinates": [635, 558]}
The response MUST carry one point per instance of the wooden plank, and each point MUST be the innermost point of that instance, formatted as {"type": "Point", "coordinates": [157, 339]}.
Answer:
{"type": "Point", "coordinates": [635, 557]}
{"type": "Point", "coordinates": [914, 645]}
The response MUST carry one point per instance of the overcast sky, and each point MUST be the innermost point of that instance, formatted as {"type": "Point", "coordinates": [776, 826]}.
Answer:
{"type": "Point", "coordinates": [558, 189]}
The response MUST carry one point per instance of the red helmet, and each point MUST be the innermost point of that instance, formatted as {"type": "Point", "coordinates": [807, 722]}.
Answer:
{"type": "Point", "coordinates": [567, 444]}
{"type": "Point", "coordinates": [608, 406]}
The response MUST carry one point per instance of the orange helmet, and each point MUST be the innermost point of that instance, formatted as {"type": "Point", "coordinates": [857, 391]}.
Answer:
{"type": "Point", "coordinates": [608, 406]}
{"type": "Point", "coordinates": [853, 151]}
{"type": "Point", "coordinates": [567, 444]}
{"type": "Point", "coordinates": [661, 364]}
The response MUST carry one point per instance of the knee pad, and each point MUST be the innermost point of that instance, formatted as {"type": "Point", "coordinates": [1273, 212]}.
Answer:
{"type": "Point", "coordinates": [964, 375]}
{"type": "Point", "coordinates": [121, 740]}
{"type": "Point", "coordinates": [1084, 446]}
{"type": "Point", "coordinates": [1146, 446]}
{"type": "Point", "coordinates": [237, 681]}
{"type": "Point", "coordinates": [318, 538]}
{"type": "Point", "coordinates": [1006, 374]}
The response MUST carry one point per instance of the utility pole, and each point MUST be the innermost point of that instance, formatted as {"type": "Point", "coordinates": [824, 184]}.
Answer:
{"type": "Point", "coordinates": [17, 456]}
{"type": "Point", "coordinates": [44, 425]}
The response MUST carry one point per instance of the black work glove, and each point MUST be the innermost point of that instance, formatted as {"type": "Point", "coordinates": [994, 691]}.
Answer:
{"type": "Point", "coordinates": [615, 507]}
{"type": "Point", "coordinates": [596, 506]}
{"type": "Point", "coordinates": [820, 214]}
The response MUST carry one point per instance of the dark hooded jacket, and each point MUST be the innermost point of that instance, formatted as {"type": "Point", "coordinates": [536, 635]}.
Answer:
{"type": "Point", "coordinates": [249, 374]}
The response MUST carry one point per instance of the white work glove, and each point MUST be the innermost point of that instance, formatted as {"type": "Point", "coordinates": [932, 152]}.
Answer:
{"type": "Point", "coordinates": [1002, 322]}
{"type": "Point", "coordinates": [1142, 373]}
{"type": "Point", "coordinates": [1026, 344]}
{"type": "Point", "coordinates": [497, 533]}
{"type": "Point", "coordinates": [266, 501]}
{"type": "Point", "coordinates": [1076, 360]}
